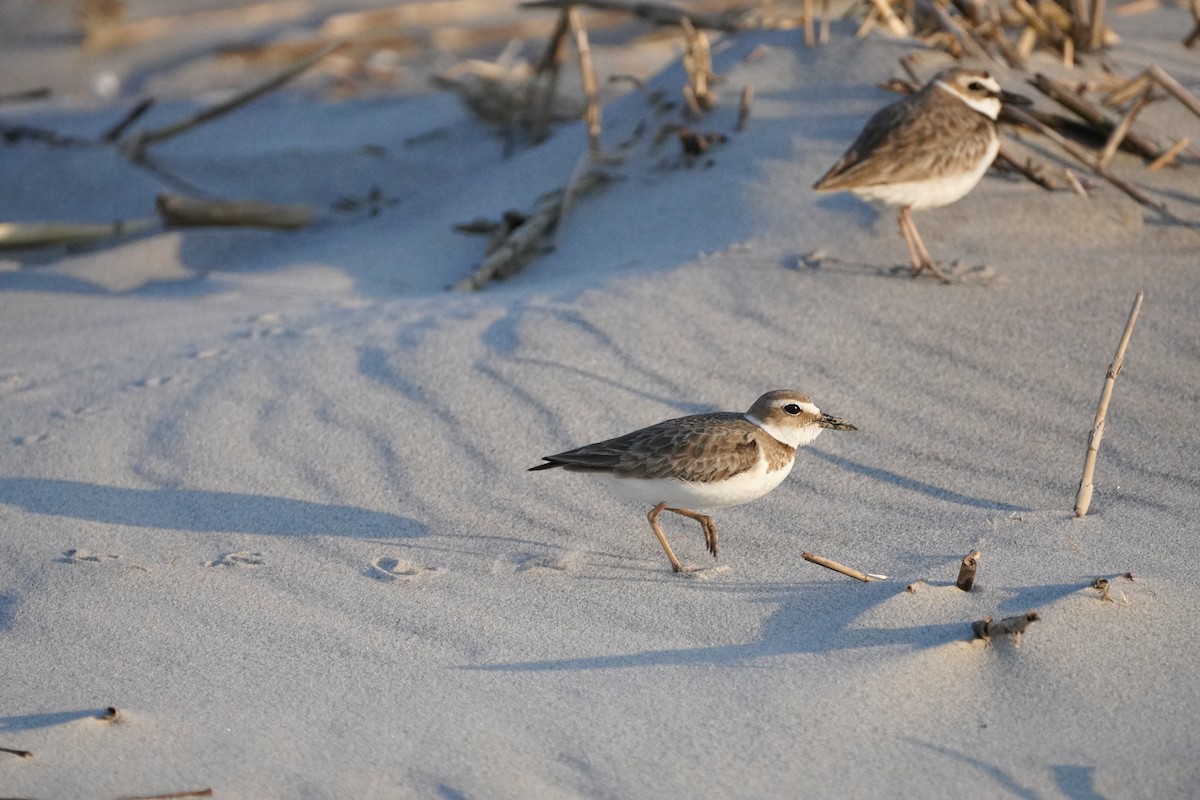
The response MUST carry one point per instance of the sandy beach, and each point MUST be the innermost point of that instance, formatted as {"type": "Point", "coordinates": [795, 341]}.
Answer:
{"type": "Point", "coordinates": [266, 492]}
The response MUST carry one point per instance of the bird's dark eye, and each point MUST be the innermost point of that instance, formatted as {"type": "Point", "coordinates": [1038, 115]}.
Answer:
{"type": "Point", "coordinates": [976, 86]}
{"type": "Point", "coordinates": [792, 409]}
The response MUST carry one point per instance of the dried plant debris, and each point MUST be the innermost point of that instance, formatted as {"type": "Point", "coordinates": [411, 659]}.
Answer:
{"type": "Point", "coordinates": [986, 628]}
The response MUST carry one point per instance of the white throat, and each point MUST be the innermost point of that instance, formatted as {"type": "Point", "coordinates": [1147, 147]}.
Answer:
{"type": "Point", "coordinates": [791, 435]}
{"type": "Point", "coordinates": [989, 106]}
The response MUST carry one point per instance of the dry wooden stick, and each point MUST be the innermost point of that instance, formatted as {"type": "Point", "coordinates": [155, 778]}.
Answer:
{"type": "Point", "coordinates": [17, 753]}
{"type": "Point", "coordinates": [1096, 31]}
{"type": "Point", "coordinates": [171, 795]}
{"type": "Point", "coordinates": [1088, 159]}
{"type": "Point", "coordinates": [809, 12]}
{"type": "Point", "coordinates": [1121, 130]}
{"type": "Point", "coordinates": [1083, 497]}
{"type": "Point", "coordinates": [1170, 155]}
{"type": "Point", "coordinates": [188, 212]}
{"type": "Point", "coordinates": [588, 72]}
{"type": "Point", "coordinates": [985, 629]}
{"type": "Point", "coordinates": [138, 142]}
{"type": "Point", "coordinates": [966, 571]}
{"type": "Point", "coordinates": [821, 561]}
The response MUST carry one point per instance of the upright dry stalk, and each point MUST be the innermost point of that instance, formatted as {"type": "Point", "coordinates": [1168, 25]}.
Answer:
{"type": "Point", "coordinates": [1083, 498]}
{"type": "Point", "coordinates": [588, 73]}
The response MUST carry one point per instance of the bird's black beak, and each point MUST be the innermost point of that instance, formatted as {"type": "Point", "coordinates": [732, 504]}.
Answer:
{"type": "Point", "coordinates": [835, 423]}
{"type": "Point", "coordinates": [1013, 99]}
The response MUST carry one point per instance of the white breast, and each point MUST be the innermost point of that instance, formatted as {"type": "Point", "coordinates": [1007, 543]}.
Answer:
{"type": "Point", "coordinates": [932, 193]}
{"type": "Point", "coordinates": [742, 488]}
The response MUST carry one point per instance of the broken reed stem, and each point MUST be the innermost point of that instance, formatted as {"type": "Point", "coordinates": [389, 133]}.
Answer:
{"type": "Point", "coordinates": [1175, 88]}
{"type": "Point", "coordinates": [1082, 155]}
{"type": "Point", "coordinates": [960, 34]}
{"type": "Point", "coordinates": [544, 86]}
{"type": "Point", "coordinates": [985, 628]}
{"type": "Point", "coordinates": [1035, 173]}
{"type": "Point", "coordinates": [1169, 155]}
{"type": "Point", "coordinates": [138, 142]}
{"type": "Point", "coordinates": [1122, 128]}
{"type": "Point", "coordinates": [588, 73]}
{"type": "Point", "coordinates": [808, 10]}
{"type": "Point", "coordinates": [1096, 31]}
{"type": "Point", "coordinates": [1083, 497]}
{"type": "Point", "coordinates": [52, 234]}
{"type": "Point", "coordinates": [697, 62]}
{"type": "Point", "coordinates": [966, 572]}
{"type": "Point", "coordinates": [836, 567]}
{"type": "Point", "coordinates": [1091, 114]}
{"type": "Point", "coordinates": [658, 13]}
{"type": "Point", "coordinates": [171, 795]}
{"type": "Point", "coordinates": [17, 753]}
{"type": "Point", "coordinates": [132, 116]}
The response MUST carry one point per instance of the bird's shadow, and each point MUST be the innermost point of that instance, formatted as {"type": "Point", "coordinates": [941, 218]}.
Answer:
{"type": "Point", "coordinates": [796, 626]}
{"type": "Point", "coordinates": [201, 510]}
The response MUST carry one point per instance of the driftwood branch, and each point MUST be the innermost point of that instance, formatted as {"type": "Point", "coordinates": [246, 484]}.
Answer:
{"type": "Point", "coordinates": [821, 561]}
{"type": "Point", "coordinates": [1083, 497]}
{"type": "Point", "coordinates": [187, 212]}
{"type": "Point", "coordinates": [966, 571]}
{"type": "Point", "coordinates": [137, 143]}
{"type": "Point", "coordinates": [1009, 626]}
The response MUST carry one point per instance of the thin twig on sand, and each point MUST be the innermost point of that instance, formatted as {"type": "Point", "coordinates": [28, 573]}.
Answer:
{"type": "Point", "coordinates": [588, 73]}
{"type": "Point", "coordinates": [527, 239]}
{"type": "Point", "coordinates": [54, 234]}
{"type": "Point", "coordinates": [1083, 497]}
{"type": "Point", "coordinates": [821, 561]}
{"type": "Point", "coordinates": [658, 13]}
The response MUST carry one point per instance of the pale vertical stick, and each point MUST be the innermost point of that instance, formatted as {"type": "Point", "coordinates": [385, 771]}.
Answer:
{"type": "Point", "coordinates": [1083, 498]}
{"type": "Point", "coordinates": [1122, 128]}
{"type": "Point", "coordinates": [589, 77]}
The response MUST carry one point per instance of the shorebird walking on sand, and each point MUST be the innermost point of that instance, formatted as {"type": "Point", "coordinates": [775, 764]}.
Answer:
{"type": "Point", "coordinates": [705, 460]}
{"type": "Point", "coordinates": [925, 151]}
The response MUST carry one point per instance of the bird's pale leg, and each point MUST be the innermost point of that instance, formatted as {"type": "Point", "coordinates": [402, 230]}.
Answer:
{"type": "Point", "coordinates": [710, 527]}
{"type": "Point", "coordinates": [916, 248]}
{"type": "Point", "coordinates": [653, 517]}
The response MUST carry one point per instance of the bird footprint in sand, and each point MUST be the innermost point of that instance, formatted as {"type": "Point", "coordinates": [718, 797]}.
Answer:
{"type": "Point", "coordinates": [386, 568]}
{"type": "Point", "coordinates": [239, 558]}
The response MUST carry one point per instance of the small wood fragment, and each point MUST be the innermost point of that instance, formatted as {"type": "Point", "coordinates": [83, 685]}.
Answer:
{"type": "Point", "coordinates": [743, 116]}
{"type": "Point", "coordinates": [189, 212]}
{"type": "Point", "coordinates": [697, 62]}
{"type": "Point", "coordinates": [1083, 497]}
{"type": "Point", "coordinates": [966, 571]}
{"type": "Point", "coordinates": [1074, 182]}
{"type": "Point", "coordinates": [1009, 626]}
{"type": "Point", "coordinates": [17, 753]}
{"type": "Point", "coordinates": [171, 795]}
{"type": "Point", "coordinates": [659, 13]}
{"type": "Point", "coordinates": [1122, 128]}
{"type": "Point", "coordinates": [821, 561]}
{"type": "Point", "coordinates": [1085, 157]}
